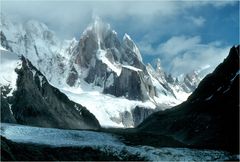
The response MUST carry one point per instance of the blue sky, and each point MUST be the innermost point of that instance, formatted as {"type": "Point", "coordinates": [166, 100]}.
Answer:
{"type": "Point", "coordinates": [185, 35]}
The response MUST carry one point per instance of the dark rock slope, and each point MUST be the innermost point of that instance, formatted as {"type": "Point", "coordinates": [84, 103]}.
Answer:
{"type": "Point", "coordinates": [210, 116]}
{"type": "Point", "coordinates": [37, 103]}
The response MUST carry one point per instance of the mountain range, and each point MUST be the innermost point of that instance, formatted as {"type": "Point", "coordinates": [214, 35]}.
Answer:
{"type": "Point", "coordinates": [95, 99]}
{"type": "Point", "coordinates": [99, 65]}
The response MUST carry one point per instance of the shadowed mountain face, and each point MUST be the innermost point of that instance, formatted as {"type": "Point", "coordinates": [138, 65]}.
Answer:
{"type": "Point", "coordinates": [210, 116]}
{"type": "Point", "coordinates": [35, 102]}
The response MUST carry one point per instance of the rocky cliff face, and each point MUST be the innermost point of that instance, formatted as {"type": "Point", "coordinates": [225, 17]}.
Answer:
{"type": "Point", "coordinates": [180, 87]}
{"type": "Point", "coordinates": [210, 116]}
{"type": "Point", "coordinates": [35, 102]}
{"type": "Point", "coordinates": [131, 84]}
{"type": "Point", "coordinates": [113, 65]}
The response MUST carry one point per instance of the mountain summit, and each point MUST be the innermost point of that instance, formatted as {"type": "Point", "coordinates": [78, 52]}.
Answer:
{"type": "Point", "coordinates": [99, 71]}
{"type": "Point", "coordinates": [113, 65]}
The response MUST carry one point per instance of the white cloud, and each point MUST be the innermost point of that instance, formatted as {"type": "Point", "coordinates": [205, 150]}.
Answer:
{"type": "Point", "coordinates": [70, 17]}
{"type": "Point", "coordinates": [198, 21]}
{"type": "Point", "coordinates": [173, 46]}
{"type": "Point", "coordinates": [182, 54]}
{"type": "Point", "coordinates": [218, 3]}
{"type": "Point", "coordinates": [198, 58]}
{"type": "Point", "coordinates": [150, 20]}
{"type": "Point", "coordinates": [178, 45]}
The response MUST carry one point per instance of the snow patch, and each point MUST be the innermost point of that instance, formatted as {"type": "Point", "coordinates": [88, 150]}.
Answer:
{"type": "Point", "coordinates": [131, 68]}
{"type": "Point", "coordinates": [2, 48]}
{"type": "Point", "coordinates": [237, 73]}
{"type": "Point", "coordinates": [41, 80]}
{"type": "Point", "coordinates": [10, 108]}
{"type": "Point", "coordinates": [180, 94]}
{"type": "Point", "coordinates": [126, 36]}
{"type": "Point", "coordinates": [219, 88]}
{"type": "Point", "coordinates": [209, 98]}
{"type": "Point", "coordinates": [101, 55]}
{"type": "Point", "coordinates": [227, 89]}
{"type": "Point", "coordinates": [231, 81]}
{"type": "Point", "coordinates": [33, 72]}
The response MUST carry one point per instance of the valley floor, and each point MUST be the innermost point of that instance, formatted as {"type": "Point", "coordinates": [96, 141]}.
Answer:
{"type": "Point", "coordinates": [20, 142]}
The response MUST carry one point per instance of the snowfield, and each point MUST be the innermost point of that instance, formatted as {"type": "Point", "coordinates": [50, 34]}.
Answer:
{"type": "Point", "coordinates": [103, 106]}
{"type": "Point", "coordinates": [105, 142]}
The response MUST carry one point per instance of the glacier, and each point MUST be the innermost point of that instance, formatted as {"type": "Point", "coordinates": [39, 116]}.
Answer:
{"type": "Point", "coordinates": [105, 142]}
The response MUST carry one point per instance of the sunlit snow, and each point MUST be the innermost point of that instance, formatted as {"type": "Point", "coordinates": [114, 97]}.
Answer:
{"type": "Point", "coordinates": [103, 106]}
{"type": "Point", "coordinates": [101, 55]}
{"type": "Point", "coordinates": [9, 62]}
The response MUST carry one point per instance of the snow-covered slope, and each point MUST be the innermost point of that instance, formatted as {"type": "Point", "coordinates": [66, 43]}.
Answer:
{"type": "Point", "coordinates": [99, 71]}
{"type": "Point", "coordinates": [39, 44]}
{"type": "Point", "coordinates": [28, 98]}
{"type": "Point", "coordinates": [8, 76]}
{"type": "Point", "coordinates": [108, 109]}
{"type": "Point", "coordinates": [106, 143]}
{"type": "Point", "coordinates": [168, 89]}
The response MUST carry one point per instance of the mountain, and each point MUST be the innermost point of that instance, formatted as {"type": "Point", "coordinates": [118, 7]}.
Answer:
{"type": "Point", "coordinates": [178, 87]}
{"type": "Point", "coordinates": [113, 65]}
{"type": "Point", "coordinates": [100, 72]}
{"type": "Point", "coordinates": [36, 42]}
{"type": "Point", "coordinates": [210, 116]}
{"type": "Point", "coordinates": [27, 98]}
{"type": "Point", "coordinates": [100, 81]}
